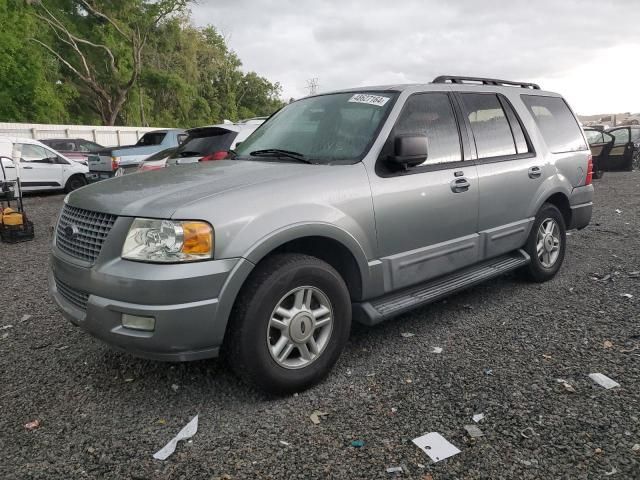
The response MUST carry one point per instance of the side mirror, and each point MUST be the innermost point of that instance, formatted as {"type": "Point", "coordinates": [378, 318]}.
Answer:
{"type": "Point", "coordinates": [410, 150]}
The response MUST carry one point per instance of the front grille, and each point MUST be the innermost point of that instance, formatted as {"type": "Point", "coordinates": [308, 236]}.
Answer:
{"type": "Point", "coordinates": [92, 230]}
{"type": "Point", "coordinates": [72, 295]}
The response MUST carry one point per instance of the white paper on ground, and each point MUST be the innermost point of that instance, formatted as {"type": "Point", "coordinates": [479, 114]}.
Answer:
{"type": "Point", "coordinates": [436, 446]}
{"type": "Point", "coordinates": [603, 380]}
{"type": "Point", "coordinates": [477, 417]}
{"type": "Point", "coordinates": [188, 431]}
{"type": "Point", "coordinates": [436, 349]}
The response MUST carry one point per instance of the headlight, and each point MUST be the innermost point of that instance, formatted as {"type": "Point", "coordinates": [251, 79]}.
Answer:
{"type": "Point", "coordinates": [167, 241]}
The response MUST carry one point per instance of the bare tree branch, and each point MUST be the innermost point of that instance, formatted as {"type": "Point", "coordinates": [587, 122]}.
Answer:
{"type": "Point", "coordinates": [97, 13]}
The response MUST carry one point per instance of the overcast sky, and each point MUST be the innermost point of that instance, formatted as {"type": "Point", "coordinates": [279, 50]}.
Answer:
{"type": "Point", "coordinates": [588, 50]}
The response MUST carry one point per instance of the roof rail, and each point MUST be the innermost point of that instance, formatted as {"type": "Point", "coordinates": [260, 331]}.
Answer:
{"type": "Point", "coordinates": [484, 81]}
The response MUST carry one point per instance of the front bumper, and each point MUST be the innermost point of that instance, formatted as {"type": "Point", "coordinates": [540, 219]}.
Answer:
{"type": "Point", "coordinates": [183, 299]}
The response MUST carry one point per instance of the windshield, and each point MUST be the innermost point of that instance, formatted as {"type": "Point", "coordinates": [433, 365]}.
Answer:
{"type": "Point", "coordinates": [205, 141]}
{"type": "Point", "coordinates": [338, 127]}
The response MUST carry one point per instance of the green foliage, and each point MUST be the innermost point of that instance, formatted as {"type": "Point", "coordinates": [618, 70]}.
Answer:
{"type": "Point", "coordinates": [28, 89]}
{"type": "Point", "coordinates": [145, 65]}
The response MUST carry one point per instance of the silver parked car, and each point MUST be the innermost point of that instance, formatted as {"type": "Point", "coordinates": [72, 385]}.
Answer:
{"type": "Point", "coordinates": [361, 203]}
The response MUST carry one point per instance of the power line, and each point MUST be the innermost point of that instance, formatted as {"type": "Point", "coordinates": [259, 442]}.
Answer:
{"type": "Point", "coordinates": [312, 86]}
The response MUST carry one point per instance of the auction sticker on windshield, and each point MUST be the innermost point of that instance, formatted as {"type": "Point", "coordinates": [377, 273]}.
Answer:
{"type": "Point", "coordinates": [367, 98]}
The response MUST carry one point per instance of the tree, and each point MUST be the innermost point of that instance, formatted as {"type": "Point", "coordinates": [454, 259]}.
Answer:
{"type": "Point", "coordinates": [30, 87]}
{"type": "Point", "coordinates": [101, 43]}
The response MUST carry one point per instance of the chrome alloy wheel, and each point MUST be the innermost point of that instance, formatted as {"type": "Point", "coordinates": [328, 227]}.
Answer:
{"type": "Point", "coordinates": [548, 242]}
{"type": "Point", "coordinates": [300, 327]}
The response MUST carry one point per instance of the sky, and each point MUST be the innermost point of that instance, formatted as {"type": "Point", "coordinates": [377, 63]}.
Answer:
{"type": "Point", "coordinates": [587, 50]}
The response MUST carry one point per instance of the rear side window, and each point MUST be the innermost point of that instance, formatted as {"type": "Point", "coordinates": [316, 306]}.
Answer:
{"type": "Point", "coordinates": [431, 114]}
{"type": "Point", "coordinates": [594, 136]}
{"type": "Point", "coordinates": [151, 138]}
{"type": "Point", "coordinates": [635, 134]}
{"type": "Point", "coordinates": [491, 129]}
{"type": "Point", "coordinates": [558, 126]}
{"type": "Point", "coordinates": [204, 142]}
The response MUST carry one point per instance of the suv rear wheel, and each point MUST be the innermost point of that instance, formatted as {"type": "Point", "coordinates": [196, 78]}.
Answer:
{"type": "Point", "coordinates": [290, 323]}
{"type": "Point", "coordinates": [546, 244]}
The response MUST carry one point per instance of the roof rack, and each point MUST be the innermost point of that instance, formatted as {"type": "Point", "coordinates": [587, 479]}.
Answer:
{"type": "Point", "coordinates": [484, 81]}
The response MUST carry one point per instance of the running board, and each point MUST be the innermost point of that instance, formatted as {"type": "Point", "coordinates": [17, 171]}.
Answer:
{"type": "Point", "coordinates": [396, 303]}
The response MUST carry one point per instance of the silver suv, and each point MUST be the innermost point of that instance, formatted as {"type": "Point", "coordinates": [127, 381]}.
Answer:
{"type": "Point", "coordinates": [360, 204]}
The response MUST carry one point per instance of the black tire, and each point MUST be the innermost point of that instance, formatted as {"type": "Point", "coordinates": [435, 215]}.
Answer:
{"type": "Point", "coordinates": [74, 183]}
{"type": "Point", "coordinates": [598, 174]}
{"type": "Point", "coordinates": [535, 271]}
{"type": "Point", "coordinates": [246, 347]}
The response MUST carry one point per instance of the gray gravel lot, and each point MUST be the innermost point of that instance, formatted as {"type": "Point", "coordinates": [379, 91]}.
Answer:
{"type": "Point", "coordinates": [103, 414]}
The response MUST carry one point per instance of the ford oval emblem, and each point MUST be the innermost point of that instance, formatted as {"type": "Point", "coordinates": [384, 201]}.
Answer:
{"type": "Point", "coordinates": [71, 231]}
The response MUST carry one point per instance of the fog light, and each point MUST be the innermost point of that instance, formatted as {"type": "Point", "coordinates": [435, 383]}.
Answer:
{"type": "Point", "coordinates": [138, 323]}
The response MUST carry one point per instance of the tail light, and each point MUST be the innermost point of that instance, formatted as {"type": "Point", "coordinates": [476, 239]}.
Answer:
{"type": "Point", "coordinates": [589, 171]}
{"type": "Point", "coordinates": [220, 155]}
{"type": "Point", "coordinates": [115, 163]}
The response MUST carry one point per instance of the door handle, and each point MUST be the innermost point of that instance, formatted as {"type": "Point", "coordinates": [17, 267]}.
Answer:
{"type": "Point", "coordinates": [535, 172]}
{"type": "Point", "coordinates": [27, 168]}
{"type": "Point", "coordinates": [460, 185]}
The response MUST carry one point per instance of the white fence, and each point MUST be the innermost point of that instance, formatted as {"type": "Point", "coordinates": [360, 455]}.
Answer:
{"type": "Point", "coordinates": [107, 136]}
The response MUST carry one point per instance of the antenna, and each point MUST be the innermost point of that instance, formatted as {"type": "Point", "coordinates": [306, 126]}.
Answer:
{"type": "Point", "coordinates": [312, 86]}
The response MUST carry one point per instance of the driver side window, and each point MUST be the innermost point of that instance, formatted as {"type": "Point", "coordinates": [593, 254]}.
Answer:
{"type": "Point", "coordinates": [431, 114]}
{"type": "Point", "coordinates": [621, 136]}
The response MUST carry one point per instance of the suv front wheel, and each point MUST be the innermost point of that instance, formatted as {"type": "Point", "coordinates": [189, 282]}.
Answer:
{"type": "Point", "coordinates": [289, 324]}
{"type": "Point", "coordinates": [546, 244]}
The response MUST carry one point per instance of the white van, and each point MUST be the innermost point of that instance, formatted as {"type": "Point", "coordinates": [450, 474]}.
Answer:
{"type": "Point", "coordinates": [41, 168]}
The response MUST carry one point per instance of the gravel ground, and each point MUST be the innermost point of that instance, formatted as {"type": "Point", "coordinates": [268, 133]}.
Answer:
{"type": "Point", "coordinates": [103, 414]}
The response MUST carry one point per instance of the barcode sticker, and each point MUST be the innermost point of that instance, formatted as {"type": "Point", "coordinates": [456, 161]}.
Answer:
{"type": "Point", "coordinates": [369, 99]}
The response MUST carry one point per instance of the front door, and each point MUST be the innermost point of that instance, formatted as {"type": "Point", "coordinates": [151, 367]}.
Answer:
{"type": "Point", "coordinates": [39, 169]}
{"type": "Point", "coordinates": [621, 155]}
{"type": "Point", "coordinates": [426, 215]}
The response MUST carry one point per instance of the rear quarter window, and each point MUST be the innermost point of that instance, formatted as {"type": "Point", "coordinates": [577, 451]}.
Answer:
{"type": "Point", "coordinates": [558, 126]}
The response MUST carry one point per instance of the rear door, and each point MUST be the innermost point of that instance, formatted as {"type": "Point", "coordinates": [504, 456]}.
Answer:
{"type": "Point", "coordinates": [600, 144]}
{"type": "Point", "coordinates": [427, 215]}
{"type": "Point", "coordinates": [509, 172]}
{"type": "Point", "coordinates": [39, 169]}
{"type": "Point", "coordinates": [621, 155]}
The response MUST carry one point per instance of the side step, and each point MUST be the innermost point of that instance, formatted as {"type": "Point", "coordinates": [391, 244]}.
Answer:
{"type": "Point", "coordinates": [383, 308]}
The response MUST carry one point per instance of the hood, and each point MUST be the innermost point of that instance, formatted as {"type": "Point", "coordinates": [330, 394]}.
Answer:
{"type": "Point", "coordinates": [159, 193]}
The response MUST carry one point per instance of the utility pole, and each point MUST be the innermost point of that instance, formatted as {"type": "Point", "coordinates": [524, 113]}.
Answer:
{"type": "Point", "coordinates": [312, 86]}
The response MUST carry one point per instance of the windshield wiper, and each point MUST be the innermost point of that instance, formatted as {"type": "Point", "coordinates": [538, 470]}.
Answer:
{"type": "Point", "coordinates": [276, 152]}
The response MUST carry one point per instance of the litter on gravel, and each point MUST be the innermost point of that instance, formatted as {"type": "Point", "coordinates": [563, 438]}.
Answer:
{"type": "Point", "coordinates": [357, 443]}
{"type": "Point", "coordinates": [607, 344]}
{"type": "Point", "coordinates": [567, 386]}
{"type": "Point", "coordinates": [436, 349]}
{"type": "Point", "coordinates": [436, 446]}
{"type": "Point", "coordinates": [316, 415]}
{"type": "Point", "coordinates": [478, 417]}
{"type": "Point", "coordinates": [32, 425]}
{"type": "Point", "coordinates": [188, 431]}
{"type": "Point", "coordinates": [626, 295]}
{"type": "Point", "coordinates": [394, 470]}
{"type": "Point", "coordinates": [6, 327]}
{"type": "Point", "coordinates": [25, 317]}
{"type": "Point", "coordinates": [474, 431]}
{"type": "Point", "coordinates": [408, 334]}
{"type": "Point", "coordinates": [603, 380]}
{"type": "Point", "coordinates": [286, 444]}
